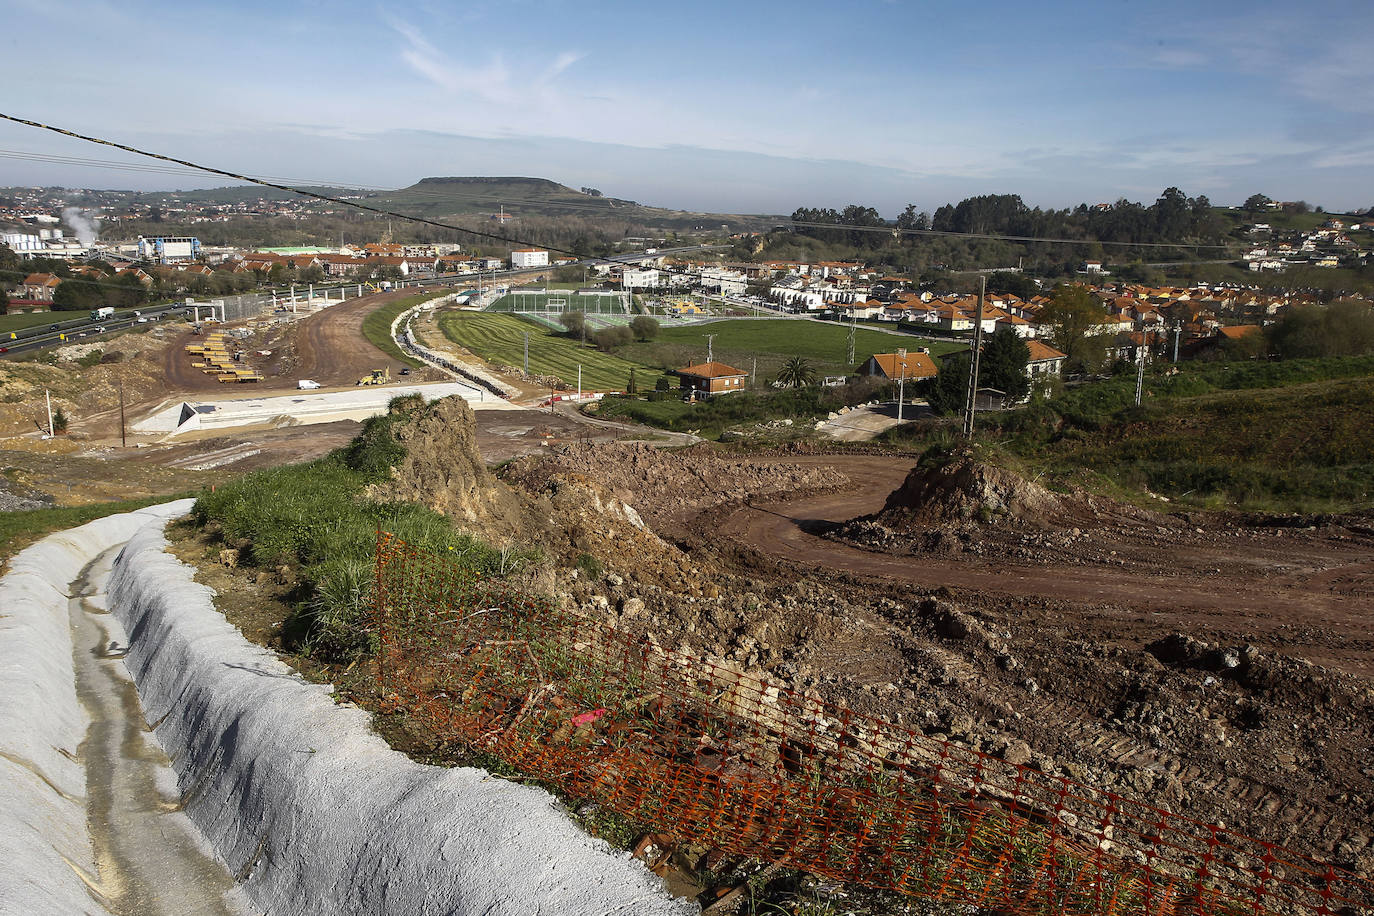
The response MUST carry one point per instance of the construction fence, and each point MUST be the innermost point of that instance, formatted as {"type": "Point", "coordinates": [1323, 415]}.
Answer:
{"type": "Point", "coordinates": [721, 759]}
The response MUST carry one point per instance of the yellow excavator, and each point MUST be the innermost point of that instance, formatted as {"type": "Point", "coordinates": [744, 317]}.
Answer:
{"type": "Point", "coordinates": [376, 377]}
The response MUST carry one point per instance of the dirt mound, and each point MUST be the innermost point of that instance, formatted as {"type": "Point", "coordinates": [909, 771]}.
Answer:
{"type": "Point", "coordinates": [972, 491]}
{"type": "Point", "coordinates": [665, 485]}
{"type": "Point", "coordinates": [443, 469]}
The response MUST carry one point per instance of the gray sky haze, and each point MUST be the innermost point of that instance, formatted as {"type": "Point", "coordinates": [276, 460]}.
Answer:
{"type": "Point", "coordinates": [755, 107]}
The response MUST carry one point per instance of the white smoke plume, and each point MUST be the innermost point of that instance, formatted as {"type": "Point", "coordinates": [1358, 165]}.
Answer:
{"type": "Point", "coordinates": [83, 223]}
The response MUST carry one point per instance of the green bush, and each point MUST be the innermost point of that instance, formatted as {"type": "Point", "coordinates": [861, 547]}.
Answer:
{"type": "Point", "coordinates": [314, 518]}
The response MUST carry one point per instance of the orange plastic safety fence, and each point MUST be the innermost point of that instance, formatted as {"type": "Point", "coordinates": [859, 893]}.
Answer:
{"type": "Point", "coordinates": [734, 763]}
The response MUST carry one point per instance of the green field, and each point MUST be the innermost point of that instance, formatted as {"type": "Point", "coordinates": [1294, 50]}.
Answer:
{"type": "Point", "coordinates": [1293, 435]}
{"type": "Point", "coordinates": [564, 301]}
{"type": "Point", "coordinates": [377, 326]}
{"type": "Point", "coordinates": [772, 341]}
{"type": "Point", "coordinates": [500, 339]}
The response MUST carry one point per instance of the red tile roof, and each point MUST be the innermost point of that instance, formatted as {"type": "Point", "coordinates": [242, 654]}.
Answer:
{"type": "Point", "coordinates": [712, 370]}
{"type": "Point", "coordinates": [1040, 351]}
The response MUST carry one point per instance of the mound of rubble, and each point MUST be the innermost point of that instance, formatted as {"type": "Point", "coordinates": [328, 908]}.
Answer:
{"type": "Point", "coordinates": [967, 490]}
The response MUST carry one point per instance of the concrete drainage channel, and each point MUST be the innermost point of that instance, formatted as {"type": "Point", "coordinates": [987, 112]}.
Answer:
{"type": "Point", "coordinates": [251, 790]}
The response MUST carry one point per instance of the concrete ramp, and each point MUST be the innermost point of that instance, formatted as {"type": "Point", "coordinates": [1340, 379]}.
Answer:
{"type": "Point", "coordinates": [303, 407]}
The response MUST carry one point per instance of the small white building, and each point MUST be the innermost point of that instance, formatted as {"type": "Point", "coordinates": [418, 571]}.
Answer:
{"type": "Point", "coordinates": [526, 258]}
{"type": "Point", "coordinates": [728, 282]}
{"type": "Point", "coordinates": [631, 278]}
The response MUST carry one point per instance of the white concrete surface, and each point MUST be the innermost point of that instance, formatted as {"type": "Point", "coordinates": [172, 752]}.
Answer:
{"type": "Point", "coordinates": [46, 857]}
{"type": "Point", "coordinates": [303, 407]}
{"type": "Point", "coordinates": [299, 796]}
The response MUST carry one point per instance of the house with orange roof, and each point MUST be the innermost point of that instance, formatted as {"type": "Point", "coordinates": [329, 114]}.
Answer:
{"type": "Point", "coordinates": [912, 366]}
{"type": "Point", "coordinates": [1044, 359]}
{"type": "Point", "coordinates": [1021, 326]}
{"type": "Point", "coordinates": [711, 378]}
{"type": "Point", "coordinates": [39, 287]}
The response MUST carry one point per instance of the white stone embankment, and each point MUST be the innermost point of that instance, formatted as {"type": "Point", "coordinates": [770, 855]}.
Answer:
{"type": "Point", "coordinates": [46, 856]}
{"type": "Point", "coordinates": [311, 810]}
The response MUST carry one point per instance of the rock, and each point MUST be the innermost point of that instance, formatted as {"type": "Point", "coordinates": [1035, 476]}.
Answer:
{"type": "Point", "coordinates": [632, 607]}
{"type": "Point", "coordinates": [1017, 752]}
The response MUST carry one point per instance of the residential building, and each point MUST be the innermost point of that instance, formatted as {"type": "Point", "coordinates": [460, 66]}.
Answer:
{"type": "Point", "coordinates": [39, 287]}
{"type": "Point", "coordinates": [528, 258]}
{"type": "Point", "coordinates": [1044, 359]}
{"type": "Point", "coordinates": [632, 278]}
{"type": "Point", "coordinates": [913, 366]}
{"type": "Point", "coordinates": [712, 378]}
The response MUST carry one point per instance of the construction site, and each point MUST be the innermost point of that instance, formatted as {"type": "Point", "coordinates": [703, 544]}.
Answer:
{"type": "Point", "coordinates": [807, 679]}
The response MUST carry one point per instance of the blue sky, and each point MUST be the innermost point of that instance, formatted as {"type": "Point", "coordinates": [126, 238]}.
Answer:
{"type": "Point", "coordinates": [739, 107]}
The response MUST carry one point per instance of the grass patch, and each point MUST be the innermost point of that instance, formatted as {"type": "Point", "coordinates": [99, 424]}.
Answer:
{"type": "Point", "coordinates": [711, 417]}
{"type": "Point", "coordinates": [500, 339]}
{"type": "Point", "coordinates": [20, 529]}
{"type": "Point", "coordinates": [1292, 436]}
{"type": "Point", "coordinates": [772, 341]}
{"type": "Point", "coordinates": [377, 326]}
{"type": "Point", "coordinates": [315, 519]}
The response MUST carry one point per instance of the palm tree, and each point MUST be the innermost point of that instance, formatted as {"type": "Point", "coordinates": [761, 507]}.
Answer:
{"type": "Point", "coordinates": [795, 373]}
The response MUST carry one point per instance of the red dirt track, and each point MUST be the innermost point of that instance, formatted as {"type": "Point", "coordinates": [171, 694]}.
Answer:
{"type": "Point", "coordinates": [1319, 606]}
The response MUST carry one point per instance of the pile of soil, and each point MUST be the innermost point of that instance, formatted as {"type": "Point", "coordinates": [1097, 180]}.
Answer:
{"type": "Point", "coordinates": [443, 469]}
{"type": "Point", "coordinates": [965, 490]}
{"type": "Point", "coordinates": [129, 361]}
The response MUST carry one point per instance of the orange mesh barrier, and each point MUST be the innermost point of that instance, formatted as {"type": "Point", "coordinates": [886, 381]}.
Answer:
{"type": "Point", "coordinates": [757, 769]}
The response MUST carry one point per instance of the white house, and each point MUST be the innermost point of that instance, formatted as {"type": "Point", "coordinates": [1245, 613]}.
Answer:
{"type": "Point", "coordinates": [525, 258]}
{"type": "Point", "coordinates": [631, 278]}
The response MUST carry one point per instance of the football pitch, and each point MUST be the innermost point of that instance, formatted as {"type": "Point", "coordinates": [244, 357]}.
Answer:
{"type": "Point", "coordinates": [557, 301]}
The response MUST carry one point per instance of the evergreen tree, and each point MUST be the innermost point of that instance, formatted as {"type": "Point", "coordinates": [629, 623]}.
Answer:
{"type": "Point", "coordinates": [1003, 365]}
{"type": "Point", "coordinates": [950, 388]}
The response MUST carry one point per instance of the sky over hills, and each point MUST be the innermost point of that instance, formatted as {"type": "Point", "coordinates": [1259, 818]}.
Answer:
{"type": "Point", "coordinates": [735, 107]}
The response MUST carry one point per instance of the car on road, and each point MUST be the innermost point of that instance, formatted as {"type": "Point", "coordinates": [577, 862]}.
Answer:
{"type": "Point", "coordinates": [4, 349]}
{"type": "Point", "coordinates": [52, 327]}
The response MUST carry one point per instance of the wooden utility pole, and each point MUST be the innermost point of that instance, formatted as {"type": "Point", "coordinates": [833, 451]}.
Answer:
{"type": "Point", "coordinates": [971, 404]}
{"type": "Point", "coordinates": [123, 441]}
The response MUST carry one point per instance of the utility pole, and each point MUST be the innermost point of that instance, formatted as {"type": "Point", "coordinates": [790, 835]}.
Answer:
{"type": "Point", "coordinates": [970, 405]}
{"type": "Point", "coordinates": [579, 381]}
{"type": "Point", "coordinates": [1140, 369]}
{"type": "Point", "coordinates": [1178, 333]}
{"type": "Point", "coordinates": [123, 439]}
{"type": "Point", "coordinates": [754, 374]}
{"type": "Point", "coordinates": [527, 352]}
{"type": "Point", "coordinates": [853, 322]}
{"type": "Point", "coordinates": [710, 340]}
{"type": "Point", "coordinates": [48, 399]}
{"type": "Point", "coordinates": [901, 390]}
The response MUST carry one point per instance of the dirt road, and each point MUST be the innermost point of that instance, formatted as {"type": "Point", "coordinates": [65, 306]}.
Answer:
{"type": "Point", "coordinates": [328, 347]}
{"type": "Point", "coordinates": [1297, 592]}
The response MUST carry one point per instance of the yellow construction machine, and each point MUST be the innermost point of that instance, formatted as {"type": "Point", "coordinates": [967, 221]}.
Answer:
{"type": "Point", "coordinates": [377, 377]}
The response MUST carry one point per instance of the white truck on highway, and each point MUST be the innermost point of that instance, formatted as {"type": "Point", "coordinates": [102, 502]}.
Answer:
{"type": "Point", "coordinates": [98, 314]}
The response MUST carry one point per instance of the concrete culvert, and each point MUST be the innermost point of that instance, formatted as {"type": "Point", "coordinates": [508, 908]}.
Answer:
{"type": "Point", "coordinates": [304, 809]}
